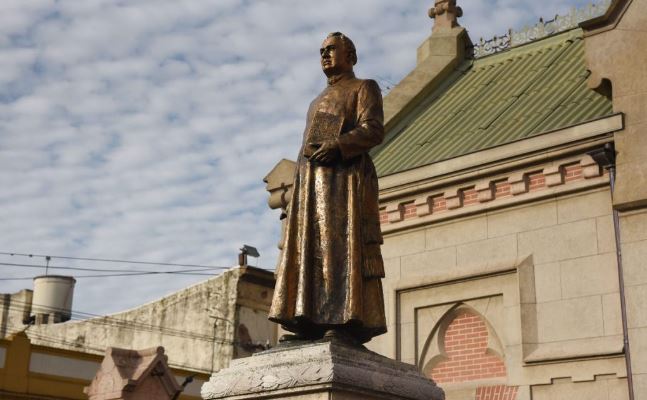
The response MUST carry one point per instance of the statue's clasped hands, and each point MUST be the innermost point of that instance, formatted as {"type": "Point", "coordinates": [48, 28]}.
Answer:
{"type": "Point", "coordinates": [326, 153]}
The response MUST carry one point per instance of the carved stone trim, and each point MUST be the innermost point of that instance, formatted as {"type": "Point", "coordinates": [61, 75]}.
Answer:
{"type": "Point", "coordinates": [453, 199]}
{"type": "Point", "coordinates": [554, 175]}
{"type": "Point", "coordinates": [485, 191]}
{"type": "Point", "coordinates": [590, 169]}
{"type": "Point", "coordinates": [423, 206]}
{"type": "Point", "coordinates": [394, 213]}
{"type": "Point", "coordinates": [518, 183]}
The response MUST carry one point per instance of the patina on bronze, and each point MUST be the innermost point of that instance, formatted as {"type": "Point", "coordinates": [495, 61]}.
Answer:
{"type": "Point", "coordinates": [329, 274]}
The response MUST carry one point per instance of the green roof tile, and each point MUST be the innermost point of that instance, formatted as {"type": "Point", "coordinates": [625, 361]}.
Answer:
{"type": "Point", "coordinates": [498, 99]}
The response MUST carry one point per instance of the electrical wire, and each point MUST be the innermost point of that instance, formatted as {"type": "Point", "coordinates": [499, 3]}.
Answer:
{"type": "Point", "coordinates": [194, 272]}
{"type": "Point", "coordinates": [126, 272]}
{"type": "Point", "coordinates": [29, 278]}
{"type": "Point", "coordinates": [109, 270]}
{"type": "Point", "coordinates": [5, 253]}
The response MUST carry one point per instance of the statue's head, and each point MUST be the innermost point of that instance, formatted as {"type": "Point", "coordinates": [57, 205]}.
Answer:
{"type": "Point", "coordinates": [338, 54]}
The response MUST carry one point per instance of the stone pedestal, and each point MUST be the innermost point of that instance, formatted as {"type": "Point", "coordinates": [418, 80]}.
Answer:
{"type": "Point", "coordinates": [320, 370]}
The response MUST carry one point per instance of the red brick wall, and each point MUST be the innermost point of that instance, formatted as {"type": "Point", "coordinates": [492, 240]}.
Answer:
{"type": "Point", "coordinates": [501, 189]}
{"type": "Point", "coordinates": [384, 217]}
{"type": "Point", "coordinates": [572, 172]}
{"type": "Point", "coordinates": [537, 181]}
{"type": "Point", "coordinates": [438, 204]}
{"type": "Point", "coordinates": [410, 211]}
{"type": "Point", "coordinates": [470, 196]}
{"type": "Point", "coordinates": [465, 346]}
{"type": "Point", "coordinates": [496, 393]}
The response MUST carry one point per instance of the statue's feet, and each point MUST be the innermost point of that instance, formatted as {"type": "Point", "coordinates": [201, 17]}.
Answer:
{"type": "Point", "coordinates": [341, 335]}
{"type": "Point", "coordinates": [291, 337]}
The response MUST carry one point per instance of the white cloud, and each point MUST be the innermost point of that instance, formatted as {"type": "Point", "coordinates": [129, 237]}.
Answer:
{"type": "Point", "coordinates": [142, 129]}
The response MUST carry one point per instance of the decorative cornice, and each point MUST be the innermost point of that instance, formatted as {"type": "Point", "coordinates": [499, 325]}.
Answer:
{"type": "Point", "coordinates": [533, 182]}
{"type": "Point", "coordinates": [541, 30]}
{"type": "Point", "coordinates": [513, 156]}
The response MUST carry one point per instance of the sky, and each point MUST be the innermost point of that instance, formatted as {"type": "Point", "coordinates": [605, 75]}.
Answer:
{"type": "Point", "coordinates": [142, 129]}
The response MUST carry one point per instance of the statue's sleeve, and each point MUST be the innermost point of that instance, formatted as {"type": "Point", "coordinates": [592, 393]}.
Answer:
{"type": "Point", "coordinates": [369, 130]}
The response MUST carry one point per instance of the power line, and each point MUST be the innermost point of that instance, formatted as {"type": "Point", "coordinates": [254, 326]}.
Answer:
{"type": "Point", "coordinates": [106, 270]}
{"type": "Point", "coordinates": [135, 272]}
{"type": "Point", "coordinates": [29, 278]}
{"type": "Point", "coordinates": [108, 260]}
{"type": "Point", "coordinates": [122, 272]}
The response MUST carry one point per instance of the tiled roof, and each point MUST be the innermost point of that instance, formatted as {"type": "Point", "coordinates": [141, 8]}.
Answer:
{"type": "Point", "coordinates": [495, 100]}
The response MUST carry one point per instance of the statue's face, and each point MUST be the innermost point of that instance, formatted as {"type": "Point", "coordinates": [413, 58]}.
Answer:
{"type": "Point", "coordinates": [335, 58]}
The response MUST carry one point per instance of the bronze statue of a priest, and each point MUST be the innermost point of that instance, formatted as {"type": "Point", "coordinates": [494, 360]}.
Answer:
{"type": "Point", "coordinates": [329, 274]}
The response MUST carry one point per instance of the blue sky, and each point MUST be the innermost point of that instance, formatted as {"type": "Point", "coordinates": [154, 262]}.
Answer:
{"type": "Point", "coordinates": [142, 129]}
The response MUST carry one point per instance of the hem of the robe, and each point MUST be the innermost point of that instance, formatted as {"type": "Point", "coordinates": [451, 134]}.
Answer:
{"type": "Point", "coordinates": [306, 327]}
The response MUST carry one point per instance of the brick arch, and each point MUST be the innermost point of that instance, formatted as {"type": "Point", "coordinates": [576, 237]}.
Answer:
{"type": "Point", "coordinates": [467, 353]}
{"type": "Point", "coordinates": [466, 357]}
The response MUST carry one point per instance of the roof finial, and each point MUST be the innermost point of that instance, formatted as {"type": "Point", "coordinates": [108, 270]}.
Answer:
{"type": "Point", "coordinates": [446, 14]}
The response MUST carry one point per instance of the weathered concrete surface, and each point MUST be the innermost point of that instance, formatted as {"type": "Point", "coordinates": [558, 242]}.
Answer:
{"type": "Point", "coordinates": [201, 327]}
{"type": "Point", "coordinates": [15, 309]}
{"type": "Point", "coordinates": [323, 369]}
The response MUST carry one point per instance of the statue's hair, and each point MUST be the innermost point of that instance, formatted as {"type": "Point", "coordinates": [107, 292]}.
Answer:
{"type": "Point", "coordinates": [350, 46]}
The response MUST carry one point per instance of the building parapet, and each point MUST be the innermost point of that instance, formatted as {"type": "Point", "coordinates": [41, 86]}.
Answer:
{"type": "Point", "coordinates": [542, 29]}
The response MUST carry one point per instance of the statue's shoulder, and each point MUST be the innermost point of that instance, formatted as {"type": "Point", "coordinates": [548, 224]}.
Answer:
{"type": "Point", "coordinates": [367, 84]}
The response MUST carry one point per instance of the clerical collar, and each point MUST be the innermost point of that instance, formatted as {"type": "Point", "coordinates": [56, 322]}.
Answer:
{"type": "Point", "coordinates": [340, 77]}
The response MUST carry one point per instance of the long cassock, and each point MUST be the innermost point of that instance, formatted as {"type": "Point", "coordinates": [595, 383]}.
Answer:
{"type": "Point", "coordinates": [329, 273]}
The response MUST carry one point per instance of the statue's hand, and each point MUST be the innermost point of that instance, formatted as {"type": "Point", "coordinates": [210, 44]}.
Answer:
{"type": "Point", "coordinates": [327, 152]}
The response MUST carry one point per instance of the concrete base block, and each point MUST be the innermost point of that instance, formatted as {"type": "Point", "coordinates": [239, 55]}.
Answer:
{"type": "Point", "coordinates": [320, 370]}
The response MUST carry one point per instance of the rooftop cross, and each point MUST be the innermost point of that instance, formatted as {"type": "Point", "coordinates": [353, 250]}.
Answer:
{"type": "Point", "coordinates": [446, 14]}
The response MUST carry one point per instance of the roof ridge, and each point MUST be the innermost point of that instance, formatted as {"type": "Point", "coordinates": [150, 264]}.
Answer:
{"type": "Point", "coordinates": [541, 30]}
